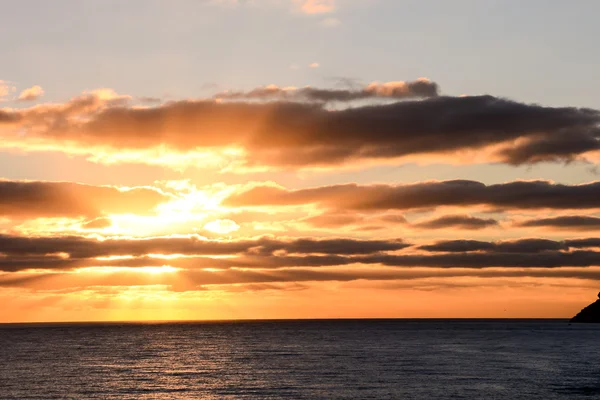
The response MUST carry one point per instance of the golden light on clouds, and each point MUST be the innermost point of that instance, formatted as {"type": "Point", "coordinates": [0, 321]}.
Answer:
{"type": "Point", "coordinates": [271, 206]}
{"type": "Point", "coordinates": [32, 93]}
{"type": "Point", "coordinates": [223, 226]}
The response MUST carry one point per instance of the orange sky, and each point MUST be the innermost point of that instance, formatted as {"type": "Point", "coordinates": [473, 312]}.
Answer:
{"type": "Point", "coordinates": [313, 197]}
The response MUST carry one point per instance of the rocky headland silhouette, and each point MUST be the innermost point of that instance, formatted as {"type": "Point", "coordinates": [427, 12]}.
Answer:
{"type": "Point", "coordinates": [589, 314]}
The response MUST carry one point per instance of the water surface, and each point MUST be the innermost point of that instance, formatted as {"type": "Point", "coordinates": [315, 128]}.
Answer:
{"type": "Point", "coordinates": [333, 359]}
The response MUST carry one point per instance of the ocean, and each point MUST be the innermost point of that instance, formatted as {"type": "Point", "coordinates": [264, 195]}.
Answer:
{"type": "Point", "coordinates": [314, 359]}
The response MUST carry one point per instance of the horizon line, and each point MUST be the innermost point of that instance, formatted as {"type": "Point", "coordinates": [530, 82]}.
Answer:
{"type": "Point", "coordinates": [251, 320]}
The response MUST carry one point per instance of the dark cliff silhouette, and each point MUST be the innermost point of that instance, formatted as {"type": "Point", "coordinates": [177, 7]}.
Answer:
{"type": "Point", "coordinates": [589, 314]}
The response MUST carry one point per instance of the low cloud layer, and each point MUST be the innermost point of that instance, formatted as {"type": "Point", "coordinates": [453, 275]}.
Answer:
{"type": "Point", "coordinates": [511, 246]}
{"type": "Point", "coordinates": [307, 134]}
{"type": "Point", "coordinates": [202, 279]}
{"type": "Point", "coordinates": [32, 199]}
{"type": "Point", "coordinates": [457, 222]}
{"type": "Point", "coordinates": [67, 252]}
{"type": "Point", "coordinates": [460, 193]}
{"type": "Point", "coordinates": [58, 252]}
{"type": "Point", "coordinates": [389, 90]}
{"type": "Point", "coordinates": [571, 222]}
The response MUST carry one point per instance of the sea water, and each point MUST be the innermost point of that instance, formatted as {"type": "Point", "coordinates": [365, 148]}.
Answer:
{"type": "Point", "coordinates": [319, 359]}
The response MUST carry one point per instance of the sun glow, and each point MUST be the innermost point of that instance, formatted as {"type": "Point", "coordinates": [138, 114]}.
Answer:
{"type": "Point", "coordinates": [190, 210]}
{"type": "Point", "coordinates": [158, 270]}
{"type": "Point", "coordinates": [153, 270]}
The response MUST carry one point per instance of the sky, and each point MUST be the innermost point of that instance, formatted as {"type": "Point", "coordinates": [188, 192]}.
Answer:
{"type": "Point", "coordinates": [230, 159]}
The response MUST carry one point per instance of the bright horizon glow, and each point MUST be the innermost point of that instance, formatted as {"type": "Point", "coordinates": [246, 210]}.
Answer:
{"type": "Point", "coordinates": [282, 159]}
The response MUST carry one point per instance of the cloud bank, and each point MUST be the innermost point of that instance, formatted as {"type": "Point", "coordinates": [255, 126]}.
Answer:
{"type": "Point", "coordinates": [298, 130]}
{"type": "Point", "coordinates": [192, 252]}
{"type": "Point", "coordinates": [423, 88]}
{"type": "Point", "coordinates": [34, 199]}
{"type": "Point", "coordinates": [457, 193]}
{"type": "Point", "coordinates": [572, 222]}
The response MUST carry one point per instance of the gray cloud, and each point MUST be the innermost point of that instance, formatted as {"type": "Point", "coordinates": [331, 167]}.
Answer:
{"type": "Point", "coordinates": [300, 134]}
{"type": "Point", "coordinates": [391, 90]}
{"type": "Point", "coordinates": [528, 245]}
{"type": "Point", "coordinates": [31, 199]}
{"type": "Point", "coordinates": [549, 259]}
{"type": "Point", "coordinates": [200, 279]}
{"type": "Point", "coordinates": [573, 222]}
{"type": "Point", "coordinates": [77, 251]}
{"type": "Point", "coordinates": [512, 195]}
{"type": "Point", "coordinates": [65, 252]}
{"type": "Point", "coordinates": [583, 243]}
{"type": "Point", "coordinates": [458, 246]}
{"type": "Point", "coordinates": [457, 222]}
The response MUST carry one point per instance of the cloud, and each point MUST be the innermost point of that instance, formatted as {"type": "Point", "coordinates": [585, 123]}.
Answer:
{"type": "Point", "coordinates": [340, 219]}
{"type": "Point", "coordinates": [6, 88]}
{"type": "Point", "coordinates": [583, 243]}
{"type": "Point", "coordinates": [457, 222]}
{"type": "Point", "coordinates": [32, 93]}
{"type": "Point", "coordinates": [388, 90]}
{"type": "Point", "coordinates": [192, 252]}
{"type": "Point", "coordinates": [34, 199]}
{"type": "Point", "coordinates": [458, 246]}
{"type": "Point", "coordinates": [528, 245]}
{"type": "Point", "coordinates": [549, 259]}
{"type": "Point", "coordinates": [316, 6]}
{"type": "Point", "coordinates": [187, 280]}
{"type": "Point", "coordinates": [516, 246]}
{"type": "Point", "coordinates": [62, 252]}
{"type": "Point", "coordinates": [334, 220]}
{"type": "Point", "coordinates": [307, 134]}
{"type": "Point", "coordinates": [458, 193]}
{"type": "Point", "coordinates": [571, 222]}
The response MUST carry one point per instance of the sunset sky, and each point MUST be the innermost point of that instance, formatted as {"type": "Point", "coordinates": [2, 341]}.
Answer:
{"type": "Point", "coordinates": [241, 159]}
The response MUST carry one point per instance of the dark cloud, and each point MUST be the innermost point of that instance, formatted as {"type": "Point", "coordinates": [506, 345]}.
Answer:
{"type": "Point", "coordinates": [583, 243]}
{"type": "Point", "coordinates": [389, 90]}
{"type": "Point", "coordinates": [31, 199]}
{"type": "Point", "coordinates": [20, 253]}
{"type": "Point", "coordinates": [548, 259]}
{"type": "Point", "coordinates": [533, 245]}
{"type": "Point", "coordinates": [198, 279]}
{"type": "Point", "coordinates": [331, 246]}
{"type": "Point", "coordinates": [371, 274]}
{"type": "Point", "coordinates": [573, 222]}
{"type": "Point", "coordinates": [340, 219]}
{"type": "Point", "coordinates": [305, 134]}
{"type": "Point", "coordinates": [458, 246]}
{"type": "Point", "coordinates": [457, 222]}
{"type": "Point", "coordinates": [7, 117]}
{"type": "Point", "coordinates": [512, 195]}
